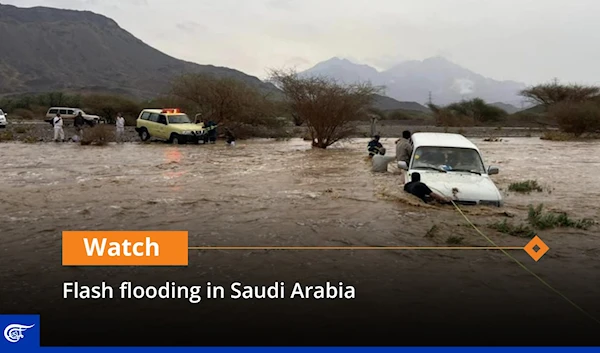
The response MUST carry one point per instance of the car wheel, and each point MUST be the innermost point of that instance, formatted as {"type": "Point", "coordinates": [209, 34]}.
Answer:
{"type": "Point", "coordinates": [144, 135]}
{"type": "Point", "coordinates": [176, 140]}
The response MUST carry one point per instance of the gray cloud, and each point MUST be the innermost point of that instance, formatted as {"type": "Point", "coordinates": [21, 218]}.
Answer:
{"type": "Point", "coordinates": [531, 41]}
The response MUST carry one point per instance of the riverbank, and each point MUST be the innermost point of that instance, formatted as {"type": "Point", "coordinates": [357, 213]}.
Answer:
{"type": "Point", "coordinates": [33, 132]}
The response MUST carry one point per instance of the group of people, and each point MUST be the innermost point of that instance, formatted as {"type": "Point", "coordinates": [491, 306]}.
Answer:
{"type": "Point", "coordinates": [377, 152]}
{"type": "Point", "coordinates": [404, 150]}
{"type": "Point", "coordinates": [211, 133]}
{"type": "Point", "coordinates": [79, 122]}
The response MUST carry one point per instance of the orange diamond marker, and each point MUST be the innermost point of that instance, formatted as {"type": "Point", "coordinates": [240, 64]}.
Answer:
{"type": "Point", "coordinates": [541, 251]}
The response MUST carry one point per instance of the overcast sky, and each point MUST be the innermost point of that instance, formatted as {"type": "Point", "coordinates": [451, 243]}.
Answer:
{"type": "Point", "coordinates": [525, 40]}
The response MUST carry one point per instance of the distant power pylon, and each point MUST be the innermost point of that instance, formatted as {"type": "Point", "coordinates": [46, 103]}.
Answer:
{"type": "Point", "coordinates": [430, 101]}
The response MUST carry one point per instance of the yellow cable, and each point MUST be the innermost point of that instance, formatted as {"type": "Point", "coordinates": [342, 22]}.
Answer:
{"type": "Point", "coordinates": [525, 267]}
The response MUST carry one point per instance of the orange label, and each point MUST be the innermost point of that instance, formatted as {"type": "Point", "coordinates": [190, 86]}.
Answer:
{"type": "Point", "coordinates": [125, 248]}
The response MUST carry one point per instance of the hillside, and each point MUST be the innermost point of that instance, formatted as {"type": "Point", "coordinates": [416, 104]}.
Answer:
{"type": "Point", "coordinates": [447, 82]}
{"type": "Point", "coordinates": [385, 103]}
{"type": "Point", "coordinates": [46, 49]}
{"type": "Point", "coordinates": [510, 109]}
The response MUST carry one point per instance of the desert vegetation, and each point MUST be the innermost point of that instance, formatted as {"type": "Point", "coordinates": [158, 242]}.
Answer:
{"type": "Point", "coordinates": [467, 113]}
{"type": "Point", "coordinates": [574, 108]}
{"type": "Point", "coordinates": [328, 108]}
{"type": "Point", "coordinates": [526, 186]}
{"type": "Point", "coordinates": [538, 219]}
{"type": "Point", "coordinates": [99, 135]}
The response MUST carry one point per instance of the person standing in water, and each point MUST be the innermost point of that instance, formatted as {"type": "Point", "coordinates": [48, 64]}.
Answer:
{"type": "Point", "coordinates": [374, 146]}
{"type": "Point", "coordinates": [404, 148]}
{"type": "Point", "coordinates": [381, 161]}
{"type": "Point", "coordinates": [230, 137]}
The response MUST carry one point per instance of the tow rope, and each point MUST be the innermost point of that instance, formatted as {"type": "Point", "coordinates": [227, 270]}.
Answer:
{"type": "Point", "coordinates": [523, 266]}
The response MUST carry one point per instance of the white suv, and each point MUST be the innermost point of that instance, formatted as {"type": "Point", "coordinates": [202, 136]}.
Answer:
{"type": "Point", "coordinates": [70, 113]}
{"type": "Point", "coordinates": [3, 121]}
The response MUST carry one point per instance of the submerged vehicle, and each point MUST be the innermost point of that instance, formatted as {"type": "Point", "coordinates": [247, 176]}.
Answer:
{"type": "Point", "coordinates": [451, 165]}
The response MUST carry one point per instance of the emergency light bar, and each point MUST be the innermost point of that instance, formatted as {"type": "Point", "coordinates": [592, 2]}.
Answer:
{"type": "Point", "coordinates": [171, 110]}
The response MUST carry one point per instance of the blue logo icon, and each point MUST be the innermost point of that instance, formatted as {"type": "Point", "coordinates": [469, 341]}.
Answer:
{"type": "Point", "coordinates": [19, 332]}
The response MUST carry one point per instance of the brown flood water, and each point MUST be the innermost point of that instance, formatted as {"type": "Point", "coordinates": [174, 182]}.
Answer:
{"type": "Point", "coordinates": [266, 193]}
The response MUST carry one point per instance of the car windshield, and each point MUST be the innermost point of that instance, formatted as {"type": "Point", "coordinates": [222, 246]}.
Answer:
{"type": "Point", "coordinates": [1, 112]}
{"type": "Point", "coordinates": [448, 159]}
{"type": "Point", "coordinates": [179, 119]}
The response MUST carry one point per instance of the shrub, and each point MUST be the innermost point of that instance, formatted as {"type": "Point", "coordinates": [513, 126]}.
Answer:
{"type": "Point", "coordinates": [21, 129]}
{"type": "Point", "coordinates": [108, 106]}
{"type": "Point", "coordinates": [546, 220]}
{"type": "Point", "coordinates": [466, 113]}
{"type": "Point", "coordinates": [521, 230]}
{"type": "Point", "coordinates": [525, 186]}
{"type": "Point", "coordinates": [98, 135]}
{"type": "Point", "coordinates": [577, 118]}
{"type": "Point", "coordinates": [24, 113]}
{"type": "Point", "coordinates": [7, 136]}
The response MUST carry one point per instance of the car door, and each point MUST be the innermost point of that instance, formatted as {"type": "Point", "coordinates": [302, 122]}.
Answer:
{"type": "Point", "coordinates": [153, 126]}
{"type": "Point", "coordinates": [162, 126]}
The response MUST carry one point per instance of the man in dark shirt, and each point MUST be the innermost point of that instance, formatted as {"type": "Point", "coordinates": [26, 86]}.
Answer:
{"type": "Point", "coordinates": [422, 191]}
{"type": "Point", "coordinates": [374, 146]}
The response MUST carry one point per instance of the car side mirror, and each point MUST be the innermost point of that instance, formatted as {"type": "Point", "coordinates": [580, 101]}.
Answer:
{"type": "Point", "coordinates": [402, 165]}
{"type": "Point", "coordinates": [493, 170]}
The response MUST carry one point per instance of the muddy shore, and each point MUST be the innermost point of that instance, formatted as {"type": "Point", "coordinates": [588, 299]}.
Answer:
{"type": "Point", "coordinates": [32, 132]}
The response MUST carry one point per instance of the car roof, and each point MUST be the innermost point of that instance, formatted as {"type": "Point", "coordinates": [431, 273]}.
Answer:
{"type": "Point", "coordinates": [160, 111]}
{"type": "Point", "coordinates": [439, 139]}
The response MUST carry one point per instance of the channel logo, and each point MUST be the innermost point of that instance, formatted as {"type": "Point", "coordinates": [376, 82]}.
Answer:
{"type": "Point", "coordinates": [20, 332]}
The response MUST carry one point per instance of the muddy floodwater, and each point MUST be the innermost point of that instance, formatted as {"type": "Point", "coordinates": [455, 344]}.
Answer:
{"type": "Point", "coordinates": [283, 193]}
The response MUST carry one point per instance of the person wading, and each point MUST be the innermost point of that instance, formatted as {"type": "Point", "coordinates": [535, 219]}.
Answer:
{"type": "Point", "coordinates": [374, 146]}
{"type": "Point", "coordinates": [230, 137]}
{"type": "Point", "coordinates": [404, 148]}
{"type": "Point", "coordinates": [381, 161]}
{"type": "Point", "coordinates": [422, 191]}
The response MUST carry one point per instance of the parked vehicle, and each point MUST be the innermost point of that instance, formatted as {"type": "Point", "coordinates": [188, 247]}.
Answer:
{"type": "Point", "coordinates": [3, 121]}
{"type": "Point", "coordinates": [169, 125]}
{"type": "Point", "coordinates": [70, 113]}
{"type": "Point", "coordinates": [452, 165]}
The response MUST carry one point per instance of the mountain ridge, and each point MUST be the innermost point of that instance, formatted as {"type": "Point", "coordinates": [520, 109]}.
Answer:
{"type": "Point", "coordinates": [415, 80]}
{"type": "Point", "coordinates": [56, 49]}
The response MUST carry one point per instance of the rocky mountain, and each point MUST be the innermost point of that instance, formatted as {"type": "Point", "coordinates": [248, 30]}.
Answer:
{"type": "Point", "coordinates": [46, 49]}
{"type": "Point", "coordinates": [445, 81]}
{"type": "Point", "coordinates": [385, 104]}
